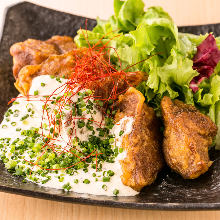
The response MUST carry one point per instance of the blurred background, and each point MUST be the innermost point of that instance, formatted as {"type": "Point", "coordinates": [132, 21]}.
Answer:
{"type": "Point", "coordinates": [206, 11]}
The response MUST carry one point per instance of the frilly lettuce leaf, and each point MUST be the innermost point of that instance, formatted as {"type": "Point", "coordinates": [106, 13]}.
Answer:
{"type": "Point", "coordinates": [177, 70]}
{"type": "Point", "coordinates": [171, 79]}
{"type": "Point", "coordinates": [207, 99]}
{"type": "Point", "coordinates": [127, 14]}
{"type": "Point", "coordinates": [156, 12]}
{"type": "Point", "coordinates": [218, 42]}
{"type": "Point", "coordinates": [150, 39]}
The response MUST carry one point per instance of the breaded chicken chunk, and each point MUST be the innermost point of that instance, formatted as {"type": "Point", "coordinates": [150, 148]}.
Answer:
{"type": "Point", "coordinates": [56, 65]}
{"type": "Point", "coordinates": [32, 52]}
{"type": "Point", "coordinates": [187, 137]}
{"type": "Point", "coordinates": [143, 158]}
{"type": "Point", "coordinates": [115, 85]}
{"type": "Point", "coordinates": [63, 44]}
{"type": "Point", "coordinates": [63, 65]}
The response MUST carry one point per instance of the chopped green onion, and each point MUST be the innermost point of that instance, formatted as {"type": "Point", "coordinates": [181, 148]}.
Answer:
{"type": "Point", "coordinates": [106, 179]}
{"type": "Point", "coordinates": [86, 181]}
{"type": "Point", "coordinates": [110, 173]}
{"type": "Point", "coordinates": [4, 126]}
{"type": "Point", "coordinates": [58, 79]}
{"type": "Point", "coordinates": [121, 133]}
{"type": "Point", "coordinates": [80, 123]}
{"type": "Point", "coordinates": [76, 181]}
{"type": "Point", "coordinates": [111, 140]}
{"type": "Point", "coordinates": [61, 179]}
{"type": "Point", "coordinates": [116, 192]}
{"type": "Point", "coordinates": [7, 114]}
{"type": "Point", "coordinates": [104, 187]}
{"type": "Point", "coordinates": [13, 123]}
{"type": "Point", "coordinates": [67, 187]}
{"type": "Point", "coordinates": [36, 92]}
{"type": "Point", "coordinates": [11, 164]}
{"type": "Point", "coordinates": [24, 117]}
{"type": "Point", "coordinates": [121, 150]}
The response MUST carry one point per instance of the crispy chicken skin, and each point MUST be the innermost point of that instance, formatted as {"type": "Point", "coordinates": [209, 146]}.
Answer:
{"type": "Point", "coordinates": [116, 84]}
{"type": "Point", "coordinates": [63, 65]}
{"type": "Point", "coordinates": [63, 44]}
{"type": "Point", "coordinates": [187, 137]}
{"type": "Point", "coordinates": [32, 52]}
{"type": "Point", "coordinates": [57, 65]}
{"type": "Point", "coordinates": [143, 158]}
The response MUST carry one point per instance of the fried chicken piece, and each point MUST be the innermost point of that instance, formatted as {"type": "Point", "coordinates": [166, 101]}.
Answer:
{"type": "Point", "coordinates": [143, 158]}
{"type": "Point", "coordinates": [56, 65]}
{"type": "Point", "coordinates": [32, 52]}
{"type": "Point", "coordinates": [63, 65]}
{"type": "Point", "coordinates": [63, 44]}
{"type": "Point", "coordinates": [115, 85]}
{"type": "Point", "coordinates": [187, 137]}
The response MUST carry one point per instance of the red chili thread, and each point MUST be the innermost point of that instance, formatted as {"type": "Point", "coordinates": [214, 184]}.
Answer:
{"type": "Point", "coordinates": [91, 66]}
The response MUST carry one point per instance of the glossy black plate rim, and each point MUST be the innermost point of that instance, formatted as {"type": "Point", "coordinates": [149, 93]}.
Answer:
{"type": "Point", "coordinates": [113, 203]}
{"type": "Point", "coordinates": [60, 195]}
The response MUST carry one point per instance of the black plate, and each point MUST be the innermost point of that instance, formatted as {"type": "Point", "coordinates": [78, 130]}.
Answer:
{"type": "Point", "coordinates": [169, 192]}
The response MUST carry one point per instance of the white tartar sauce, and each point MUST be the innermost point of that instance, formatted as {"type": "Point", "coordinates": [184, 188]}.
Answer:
{"type": "Point", "coordinates": [29, 112]}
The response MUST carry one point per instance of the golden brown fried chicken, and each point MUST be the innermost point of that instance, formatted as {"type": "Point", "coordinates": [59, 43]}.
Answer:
{"type": "Point", "coordinates": [63, 44]}
{"type": "Point", "coordinates": [57, 65]}
{"type": "Point", "coordinates": [115, 85]}
{"type": "Point", "coordinates": [143, 145]}
{"type": "Point", "coordinates": [63, 65]}
{"type": "Point", "coordinates": [187, 137]}
{"type": "Point", "coordinates": [32, 52]}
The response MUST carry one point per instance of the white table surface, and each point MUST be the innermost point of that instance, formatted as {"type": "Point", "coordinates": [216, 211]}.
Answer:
{"type": "Point", "coordinates": [184, 12]}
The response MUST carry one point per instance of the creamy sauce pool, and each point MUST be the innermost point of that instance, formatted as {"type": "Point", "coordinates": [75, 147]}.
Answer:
{"type": "Point", "coordinates": [91, 181]}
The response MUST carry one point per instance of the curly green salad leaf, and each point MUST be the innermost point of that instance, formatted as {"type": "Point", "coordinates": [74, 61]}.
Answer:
{"type": "Point", "coordinates": [151, 39]}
